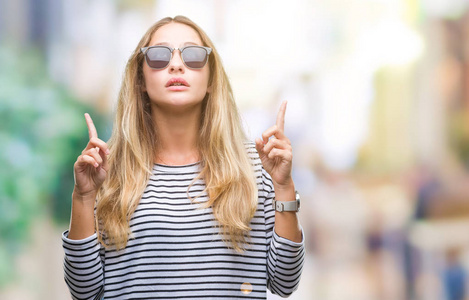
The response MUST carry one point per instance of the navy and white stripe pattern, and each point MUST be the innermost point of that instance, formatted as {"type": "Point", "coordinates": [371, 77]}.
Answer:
{"type": "Point", "coordinates": [176, 251]}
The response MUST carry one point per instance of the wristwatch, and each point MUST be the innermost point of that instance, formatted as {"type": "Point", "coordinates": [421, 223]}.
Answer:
{"type": "Point", "coordinates": [287, 205]}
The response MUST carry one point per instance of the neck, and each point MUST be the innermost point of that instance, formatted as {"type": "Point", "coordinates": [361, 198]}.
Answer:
{"type": "Point", "coordinates": [177, 136]}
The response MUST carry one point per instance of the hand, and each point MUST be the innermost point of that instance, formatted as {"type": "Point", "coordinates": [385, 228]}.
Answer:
{"type": "Point", "coordinates": [91, 167]}
{"type": "Point", "coordinates": [276, 152]}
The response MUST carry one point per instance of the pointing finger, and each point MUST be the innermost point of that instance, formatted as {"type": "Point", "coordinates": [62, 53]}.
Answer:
{"type": "Point", "coordinates": [281, 116]}
{"type": "Point", "coordinates": [273, 131]}
{"type": "Point", "coordinates": [98, 145]}
{"type": "Point", "coordinates": [91, 129]}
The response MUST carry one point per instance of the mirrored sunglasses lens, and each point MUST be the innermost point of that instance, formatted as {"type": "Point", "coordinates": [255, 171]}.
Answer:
{"type": "Point", "coordinates": [194, 57]}
{"type": "Point", "coordinates": [158, 58]}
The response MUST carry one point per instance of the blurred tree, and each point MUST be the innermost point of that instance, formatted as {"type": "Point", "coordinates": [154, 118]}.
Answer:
{"type": "Point", "coordinates": [42, 131]}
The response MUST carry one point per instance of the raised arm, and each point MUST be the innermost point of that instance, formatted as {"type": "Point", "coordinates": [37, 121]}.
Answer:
{"type": "Point", "coordinates": [285, 257]}
{"type": "Point", "coordinates": [83, 268]}
{"type": "Point", "coordinates": [90, 171]}
{"type": "Point", "coordinates": [276, 156]}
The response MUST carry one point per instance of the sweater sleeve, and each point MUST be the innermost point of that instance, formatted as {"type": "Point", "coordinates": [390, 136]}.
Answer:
{"type": "Point", "coordinates": [83, 267]}
{"type": "Point", "coordinates": [285, 258]}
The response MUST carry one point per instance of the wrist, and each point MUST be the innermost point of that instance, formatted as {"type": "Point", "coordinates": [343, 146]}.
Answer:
{"type": "Point", "coordinates": [290, 205]}
{"type": "Point", "coordinates": [287, 188]}
{"type": "Point", "coordinates": [84, 197]}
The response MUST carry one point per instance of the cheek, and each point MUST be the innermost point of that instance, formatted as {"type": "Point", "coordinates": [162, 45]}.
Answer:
{"type": "Point", "coordinates": [151, 80]}
{"type": "Point", "coordinates": [204, 88]}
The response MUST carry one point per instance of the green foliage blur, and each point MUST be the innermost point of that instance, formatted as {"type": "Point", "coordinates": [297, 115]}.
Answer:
{"type": "Point", "coordinates": [42, 131]}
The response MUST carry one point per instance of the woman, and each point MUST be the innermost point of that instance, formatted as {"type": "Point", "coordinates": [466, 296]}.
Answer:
{"type": "Point", "coordinates": [178, 204]}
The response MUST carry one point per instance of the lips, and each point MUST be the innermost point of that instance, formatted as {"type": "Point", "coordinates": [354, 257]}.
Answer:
{"type": "Point", "coordinates": [177, 82]}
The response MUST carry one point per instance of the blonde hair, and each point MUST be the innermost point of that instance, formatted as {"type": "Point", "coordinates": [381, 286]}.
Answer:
{"type": "Point", "coordinates": [226, 167]}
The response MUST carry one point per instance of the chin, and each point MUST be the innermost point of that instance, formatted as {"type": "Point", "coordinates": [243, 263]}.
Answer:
{"type": "Point", "coordinates": [177, 104]}
{"type": "Point", "coordinates": [184, 102]}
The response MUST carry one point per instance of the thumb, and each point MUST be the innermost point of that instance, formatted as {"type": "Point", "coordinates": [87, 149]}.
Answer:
{"type": "Point", "coordinates": [105, 164]}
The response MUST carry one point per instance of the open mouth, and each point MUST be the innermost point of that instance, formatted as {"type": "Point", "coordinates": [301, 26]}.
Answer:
{"type": "Point", "coordinates": [177, 82]}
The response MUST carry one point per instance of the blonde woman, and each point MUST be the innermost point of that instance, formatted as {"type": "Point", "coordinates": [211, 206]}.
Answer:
{"type": "Point", "coordinates": [178, 205]}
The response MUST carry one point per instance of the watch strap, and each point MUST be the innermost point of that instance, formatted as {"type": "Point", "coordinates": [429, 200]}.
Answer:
{"type": "Point", "coordinates": [282, 206]}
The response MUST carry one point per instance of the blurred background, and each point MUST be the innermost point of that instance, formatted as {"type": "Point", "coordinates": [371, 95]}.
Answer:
{"type": "Point", "coordinates": [378, 116]}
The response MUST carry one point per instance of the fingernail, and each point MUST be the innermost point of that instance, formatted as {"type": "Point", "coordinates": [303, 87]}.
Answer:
{"type": "Point", "coordinates": [107, 151]}
{"type": "Point", "coordinates": [96, 165]}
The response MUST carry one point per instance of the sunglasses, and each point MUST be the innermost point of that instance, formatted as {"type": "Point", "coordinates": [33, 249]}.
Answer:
{"type": "Point", "coordinates": [158, 57]}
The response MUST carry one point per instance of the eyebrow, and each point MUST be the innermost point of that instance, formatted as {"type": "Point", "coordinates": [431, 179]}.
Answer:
{"type": "Point", "coordinates": [185, 44]}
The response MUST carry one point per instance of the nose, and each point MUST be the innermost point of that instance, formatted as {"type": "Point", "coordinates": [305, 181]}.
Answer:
{"type": "Point", "coordinates": [176, 64]}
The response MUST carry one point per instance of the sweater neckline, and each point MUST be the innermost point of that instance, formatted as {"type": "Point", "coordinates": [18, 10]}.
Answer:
{"type": "Point", "coordinates": [178, 168]}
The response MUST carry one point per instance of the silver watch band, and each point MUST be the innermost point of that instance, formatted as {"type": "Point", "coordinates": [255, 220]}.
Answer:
{"type": "Point", "coordinates": [281, 206]}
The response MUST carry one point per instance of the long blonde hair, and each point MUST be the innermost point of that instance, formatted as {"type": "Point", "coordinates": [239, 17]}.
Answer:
{"type": "Point", "coordinates": [226, 167]}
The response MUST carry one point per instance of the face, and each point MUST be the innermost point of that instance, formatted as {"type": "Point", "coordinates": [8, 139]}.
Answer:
{"type": "Point", "coordinates": [164, 86]}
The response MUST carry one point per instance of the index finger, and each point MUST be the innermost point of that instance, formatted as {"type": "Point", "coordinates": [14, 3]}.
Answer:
{"type": "Point", "coordinates": [281, 116]}
{"type": "Point", "coordinates": [91, 129]}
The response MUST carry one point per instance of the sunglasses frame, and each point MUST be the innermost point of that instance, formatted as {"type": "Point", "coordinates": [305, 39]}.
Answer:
{"type": "Point", "coordinates": [144, 50]}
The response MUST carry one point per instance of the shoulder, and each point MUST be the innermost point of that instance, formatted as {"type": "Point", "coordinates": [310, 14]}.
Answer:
{"type": "Point", "coordinates": [256, 163]}
{"type": "Point", "coordinates": [251, 151]}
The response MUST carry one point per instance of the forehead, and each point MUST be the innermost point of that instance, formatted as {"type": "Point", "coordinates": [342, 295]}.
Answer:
{"type": "Point", "coordinates": [175, 34]}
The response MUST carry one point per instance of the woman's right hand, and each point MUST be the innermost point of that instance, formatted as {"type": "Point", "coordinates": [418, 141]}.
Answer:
{"type": "Point", "coordinates": [91, 167]}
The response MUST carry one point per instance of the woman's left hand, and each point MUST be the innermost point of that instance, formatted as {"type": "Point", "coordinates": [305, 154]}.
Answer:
{"type": "Point", "coordinates": [276, 152]}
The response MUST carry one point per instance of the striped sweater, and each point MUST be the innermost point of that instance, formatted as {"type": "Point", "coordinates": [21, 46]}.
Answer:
{"type": "Point", "coordinates": [177, 252]}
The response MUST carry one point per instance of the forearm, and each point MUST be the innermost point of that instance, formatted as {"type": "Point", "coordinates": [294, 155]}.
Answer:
{"type": "Point", "coordinates": [83, 267]}
{"type": "Point", "coordinates": [286, 253]}
{"type": "Point", "coordinates": [287, 224]}
{"type": "Point", "coordinates": [82, 222]}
